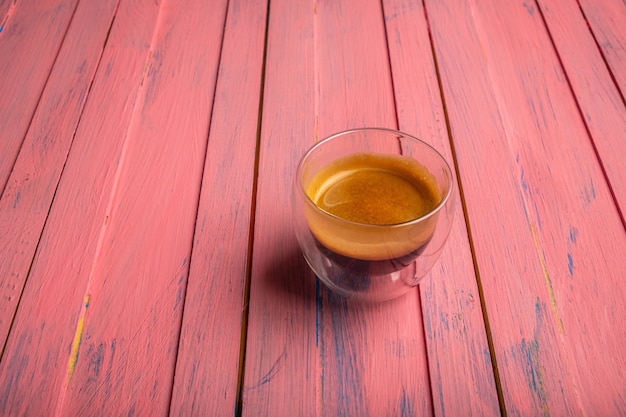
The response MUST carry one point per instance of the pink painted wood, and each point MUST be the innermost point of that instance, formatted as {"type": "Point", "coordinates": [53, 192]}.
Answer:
{"type": "Point", "coordinates": [110, 327]}
{"type": "Point", "coordinates": [31, 32]}
{"type": "Point", "coordinates": [280, 361]}
{"type": "Point", "coordinates": [372, 359]}
{"type": "Point", "coordinates": [147, 260]}
{"type": "Point", "coordinates": [352, 86]}
{"type": "Point", "coordinates": [69, 245]}
{"type": "Point", "coordinates": [535, 210]}
{"type": "Point", "coordinates": [26, 200]}
{"type": "Point", "coordinates": [7, 7]}
{"type": "Point", "coordinates": [456, 340]}
{"type": "Point", "coordinates": [592, 83]}
{"type": "Point", "coordinates": [208, 368]}
{"type": "Point", "coordinates": [606, 20]}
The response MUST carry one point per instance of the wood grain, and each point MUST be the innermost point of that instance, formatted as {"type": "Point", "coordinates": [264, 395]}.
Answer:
{"type": "Point", "coordinates": [363, 359]}
{"type": "Point", "coordinates": [7, 7]}
{"type": "Point", "coordinates": [26, 200]}
{"type": "Point", "coordinates": [208, 367]}
{"type": "Point", "coordinates": [606, 20]}
{"type": "Point", "coordinates": [148, 264]}
{"type": "Point", "coordinates": [280, 377]}
{"type": "Point", "coordinates": [450, 298]}
{"type": "Point", "coordinates": [111, 321]}
{"type": "Point", "coordinates": [373, 358]}
{"type": "Point", "coordinates": [30, 37]}
{"type": "Point", "coordinates": [42, 334]}
{"type": "Point", "coordinates": [545, 227]}
{"type": "Point", "coordinates": [599, 100]}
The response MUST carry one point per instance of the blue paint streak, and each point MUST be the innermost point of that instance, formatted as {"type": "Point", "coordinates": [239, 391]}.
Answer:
{"type": "Point", "coordinates": [570, 264]}
{"type": "Point", "coordinates": [523, 181]}
{"type": "Point", "coordinates": [318, 310]}
{"type": "Point", "coordinates": [538, 314]}
{"type": "Point", "coordinates": [573, 234]}
{"type": "Point", "coordinates": [276, 367]}
{"type": "Point", "coordinates": [529, 350]}
{"type": "Point", "coordinates": [589, 192]}
{"type": "Point", "coordinates": [406, 406]}
{"type": "Point", "coordinates": [441, 402]}
{"type": "Point", "coordinates": [430, 334]}
{"type": "Point", "coordinates": [529, 8]}
{"type": "Point", "coordinates": [444, 321]}
{"type": "Point", "coordinates": [349, 378]}
{"type": "Point", "coordinates": [533, 371]}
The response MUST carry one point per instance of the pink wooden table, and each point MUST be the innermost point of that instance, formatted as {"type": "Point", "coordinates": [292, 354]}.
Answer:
{"type": "Point", "coordinates": [147, 261]}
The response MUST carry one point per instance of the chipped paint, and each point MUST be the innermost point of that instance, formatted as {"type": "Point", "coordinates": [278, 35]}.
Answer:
{"type": "Point", "coordinates": [534, 372]}
{"type": "Point", "coordinates": [570, 264]}
{"type": "Point", "coordinates": [555, 311]}
{"type": "Point", "coordinates": [146, 67]}
{"type": "Point", "coordinates": [406, 405]}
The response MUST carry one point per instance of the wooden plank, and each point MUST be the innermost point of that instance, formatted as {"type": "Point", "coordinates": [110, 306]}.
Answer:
{"type": "Point", "coordinates": [219, 268]}
{"type": "Point", "coordinates": [606, 20]}
{"type": "Point", "coordinates": [372, 358]}
{"type": "Point", "coordinates": [43, 332]}
{"type": "Point", "coordinates": [30, 37]}
{"type": "Point", "coordinates": [547, 235]}
{"type": "Point", "coordinates": [280, 376]}
{"type": "Point", "coordinates": [361, 359]}
{"type": "Point", "coordinates": [119, 235]}
{"type": "Point", "coordinates": [161, 175]}
{"type": "Point", "coordinates": [457, 343]}
{"type": "Point", "coordinates": [26, 200]}
{"type": "Point", "coordinates": [600, 101]}
{"type": "Point", "coordinates": [7, 7]}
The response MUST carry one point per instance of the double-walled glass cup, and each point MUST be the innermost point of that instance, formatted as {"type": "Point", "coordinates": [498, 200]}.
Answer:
{"type": "Point", "coordinates": [371, 261]}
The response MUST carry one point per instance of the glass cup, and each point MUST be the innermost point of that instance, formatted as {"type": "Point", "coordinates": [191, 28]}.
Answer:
{"type": "Point", "coordinates": [359, 259]}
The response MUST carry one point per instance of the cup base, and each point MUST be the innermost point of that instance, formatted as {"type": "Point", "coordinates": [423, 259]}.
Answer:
{"type": "Point", "coordinates": [363, 279]}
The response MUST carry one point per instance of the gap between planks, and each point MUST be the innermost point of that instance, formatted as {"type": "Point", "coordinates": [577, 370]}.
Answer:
{"type": "Point", "coordinates": [45, 83]}
{"type": "Point", "coordinates": [246, 294]}
{"type": "Point", "coordinates": [80, 115]}
{"type": "Point", "coordinates": [193, 236]}
{"type": "Point", "coordinates": [397, 122]}
{"type": "Point", "coordinates": [481, 295]}
{"type": "Point", "coordinates": [600, 49]}
{"type": "Point", "coordinates": [607, 178]}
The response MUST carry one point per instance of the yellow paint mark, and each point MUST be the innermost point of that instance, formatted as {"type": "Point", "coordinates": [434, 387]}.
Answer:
{"type": "Point", "coordinates": [146, 66]}
{"type": "Point", "coordinates": [546, 276]}
{"type": "Point", "coordinates": [78, 335]}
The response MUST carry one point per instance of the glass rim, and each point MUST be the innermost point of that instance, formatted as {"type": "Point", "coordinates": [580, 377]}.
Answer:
{"type": "Point", "coordinates": [343, 133]}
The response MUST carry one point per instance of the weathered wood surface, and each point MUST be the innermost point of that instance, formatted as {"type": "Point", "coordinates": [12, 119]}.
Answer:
{"type": "Point", "coordinates": [280, 375]}
{"type": "Point", "coordinates": [31, 34]}
{"type": "Point", "coordinates": [26, 200]}
{"type": "Point", "coordinates": [454, 324]}
{"type": "Point", "coordinates": [547, 235]}
{"type": "Point", "coordinates": [147, 260]}
{"type": "Point", "coordinates": [96, 332]}
{"type": "Point", "coordinates": [208, 366]}
{"type": "Point", "coordinates": [592, 81]}
{"type": "Point", "coordinates": [606, 21]}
